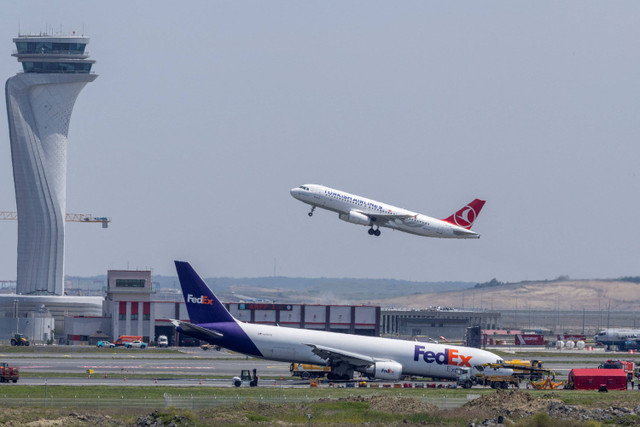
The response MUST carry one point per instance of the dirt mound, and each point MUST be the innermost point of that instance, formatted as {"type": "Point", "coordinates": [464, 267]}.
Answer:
{"type": "Point", "coordinates": [512, 402]}
{"type": "Point", "coordinates": [395, 404]}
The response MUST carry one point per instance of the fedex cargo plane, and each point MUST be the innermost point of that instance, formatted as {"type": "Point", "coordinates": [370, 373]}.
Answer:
{"type": "Point", "coordinates": [380, 358]}
{"type": "Point", "coordinates": [373, 214]}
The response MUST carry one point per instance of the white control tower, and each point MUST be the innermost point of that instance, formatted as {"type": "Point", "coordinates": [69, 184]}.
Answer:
{"type": "Point", "coordinates": [39, 104]}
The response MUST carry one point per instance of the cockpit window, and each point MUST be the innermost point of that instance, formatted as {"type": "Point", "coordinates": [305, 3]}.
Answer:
{"type": "Point", "coordinates": [304, 188]}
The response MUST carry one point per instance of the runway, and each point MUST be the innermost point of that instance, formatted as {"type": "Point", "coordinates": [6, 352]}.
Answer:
{"type": "Point", "coordinates": [188, 367]}
{"type": "Point", "coordinates": [189, 363]}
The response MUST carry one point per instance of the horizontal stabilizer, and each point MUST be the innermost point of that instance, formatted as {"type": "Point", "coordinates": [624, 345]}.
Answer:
{"type": "Point", "coordinates": [196, 331]}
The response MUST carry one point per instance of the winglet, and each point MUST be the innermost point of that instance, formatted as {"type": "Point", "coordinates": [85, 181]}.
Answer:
{"type": "Point", "coordinates": [202, 304]}
{"type": "Point", "coordinates": [467, 215]}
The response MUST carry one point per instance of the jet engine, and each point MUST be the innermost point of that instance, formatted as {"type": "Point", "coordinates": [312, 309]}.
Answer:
{"type": "Point", "coordinates": [385, 370]}
{"type": "Point", "coordinates": [355, 218]}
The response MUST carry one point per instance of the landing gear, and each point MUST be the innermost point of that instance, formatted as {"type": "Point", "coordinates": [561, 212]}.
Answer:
{"type": "Point", "coordinates": [374, 232]}
{"type": "Point", "coordinates": [313, 208]}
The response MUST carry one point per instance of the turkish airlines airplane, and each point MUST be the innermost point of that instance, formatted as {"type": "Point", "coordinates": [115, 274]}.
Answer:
{"type": "Point", "coordinates": [380, 358]}
{"type": "Point", "coordinates": [360, 210]}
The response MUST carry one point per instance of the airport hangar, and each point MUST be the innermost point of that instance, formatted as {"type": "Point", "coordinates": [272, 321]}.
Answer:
{"type": "Point", "coordinates": [133, 307]}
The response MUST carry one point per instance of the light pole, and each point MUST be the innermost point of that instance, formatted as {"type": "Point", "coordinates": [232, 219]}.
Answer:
{"type": "Point", "coordinates": [15, 312]}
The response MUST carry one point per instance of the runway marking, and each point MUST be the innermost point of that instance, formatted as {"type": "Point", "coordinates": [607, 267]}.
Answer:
{"type": "Point", "coordinates": [35, 367]}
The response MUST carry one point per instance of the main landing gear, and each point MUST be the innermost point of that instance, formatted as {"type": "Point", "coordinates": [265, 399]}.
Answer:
{"type": "Point", "coordinates": [374, 232]}
{"type": "Point", "coordinates": [313, 208]}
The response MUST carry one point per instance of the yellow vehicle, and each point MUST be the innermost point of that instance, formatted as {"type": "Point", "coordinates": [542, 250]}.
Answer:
{"type": "Point", "coordinates": [527, 369]}
{"type": "Point", "coordinates": [306, 371]}
{"type": "Point", "coordinates": [19, 339]}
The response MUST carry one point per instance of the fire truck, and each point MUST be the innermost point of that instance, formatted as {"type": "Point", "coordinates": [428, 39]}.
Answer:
{"type": "Point", "coordinates": [8, 373]}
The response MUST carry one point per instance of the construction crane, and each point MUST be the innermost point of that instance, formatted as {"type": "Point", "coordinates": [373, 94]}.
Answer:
{"type": "Point", "coordinates": [70, 217]}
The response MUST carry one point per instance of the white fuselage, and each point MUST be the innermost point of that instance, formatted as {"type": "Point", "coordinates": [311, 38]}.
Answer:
{"type": "Point", "coordinates": [410, 222]}
{"type": "Point", "coordinates": [617, 336]}
{"type": "Point", "coordinates": [417, 358]}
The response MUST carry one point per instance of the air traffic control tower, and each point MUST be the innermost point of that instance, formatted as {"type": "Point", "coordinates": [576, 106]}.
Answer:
{"type": "Point", "coordinates": [39, 104]}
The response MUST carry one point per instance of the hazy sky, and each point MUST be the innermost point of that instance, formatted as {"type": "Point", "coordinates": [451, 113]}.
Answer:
{"type": "Point", "coordinates": [205, 114]}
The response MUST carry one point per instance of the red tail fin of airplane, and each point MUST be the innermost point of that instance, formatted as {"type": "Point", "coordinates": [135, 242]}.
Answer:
{"type": "Point", "coordinates": [464, 217]}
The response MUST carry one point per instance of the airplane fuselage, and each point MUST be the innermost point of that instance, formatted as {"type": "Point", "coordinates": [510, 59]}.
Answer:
{"type": "Point", "coordinates": [380, 358]}
{"type": "Point", "coordinates": [618, 337]}
{"type": "Point", "coordinates": [294, 345]}
{"type": "Point", "coordinates": [363, 211]}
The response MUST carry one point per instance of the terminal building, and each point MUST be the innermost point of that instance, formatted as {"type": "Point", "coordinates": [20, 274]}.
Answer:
{"type": "Point", "coordinates": [436, 322]}
{"type": "Point", "coordinates": [129, 308]}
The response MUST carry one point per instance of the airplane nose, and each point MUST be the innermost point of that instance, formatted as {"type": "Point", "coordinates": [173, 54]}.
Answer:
{"type": "Point", "coordinates": [294, 192]}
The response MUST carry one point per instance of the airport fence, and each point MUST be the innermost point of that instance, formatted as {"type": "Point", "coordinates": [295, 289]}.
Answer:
{"type": "Point", "coordinates": [191, 402]}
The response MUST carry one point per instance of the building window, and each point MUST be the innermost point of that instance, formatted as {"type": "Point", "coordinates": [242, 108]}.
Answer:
{"type": "Point", "coordinates": [129, 283]}
{"type": "Point", "coordinates": [146, 317]}
{"type": "Point", "coordinates": [122, 316]}
{"type": "Point", "coordinates": [134, 316]}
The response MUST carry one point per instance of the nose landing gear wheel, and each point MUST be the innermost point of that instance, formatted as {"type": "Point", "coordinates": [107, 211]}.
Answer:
{"type": "Point", "coordinates": [312, 209]}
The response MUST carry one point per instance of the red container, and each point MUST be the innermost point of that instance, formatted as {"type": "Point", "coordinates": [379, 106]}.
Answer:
{"type": "Point", "coordinates": [529, 339]}
{"type": "Point", "coordinates": [592, 379]}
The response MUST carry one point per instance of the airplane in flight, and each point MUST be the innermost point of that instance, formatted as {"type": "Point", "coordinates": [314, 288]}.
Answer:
{"type": "Point", "coordinates": [381, 358]}
{"type": "Point", "coordinates": [360, 210]}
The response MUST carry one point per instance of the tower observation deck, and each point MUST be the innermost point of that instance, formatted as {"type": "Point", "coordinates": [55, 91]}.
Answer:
{"type": "Point", "coordinates": [40, 101]}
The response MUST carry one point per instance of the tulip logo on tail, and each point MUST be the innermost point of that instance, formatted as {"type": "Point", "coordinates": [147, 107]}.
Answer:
{"type": "Point", "coordinates": [447, 357]}
{"type": "Point", "coordinates": [201, 300]}
{"type": "Point", "coordinates": [465, 217]}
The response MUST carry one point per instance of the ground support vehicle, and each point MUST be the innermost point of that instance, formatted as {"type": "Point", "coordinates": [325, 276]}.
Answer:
{"type": "Point", "coordinates": [136, 344]}
{"type": "Point", "coordinates": [245, 378]}
{"type": "Point", "coordinates": [496, 376]}
{"type": "Point", "coordinates": [626, 365]}
{"type": "Point", "coordinates": [163, 341]}
{"type": "Point", "coordinates": [546, 384]}
{"type": "Point", "coordinates": [207, 347]}
{"type": "Point", "coordinates": [306, 371]}
{"type": "Point", "coordinates": [105, 344]}
{"type": "Point", "coordinates": [124, 339]}
{"type": "Point", "coordinates": [527, 369]}
{"type": "Point", "coordinates": [8, 373]}
{"type": "Point", "coordinates": [19, 339]}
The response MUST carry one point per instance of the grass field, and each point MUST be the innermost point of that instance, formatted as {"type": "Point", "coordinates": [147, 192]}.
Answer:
{"type": "Point", "coordinates": [256, 406]}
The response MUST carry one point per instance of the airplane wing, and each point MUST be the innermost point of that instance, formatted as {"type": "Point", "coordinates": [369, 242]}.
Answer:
{"type": "Point", "coordinates": [334, 356]}
{"type": "Point", "coordinates": [384, 218]}
{"type": "Point", "coordinates": [195, 330]}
